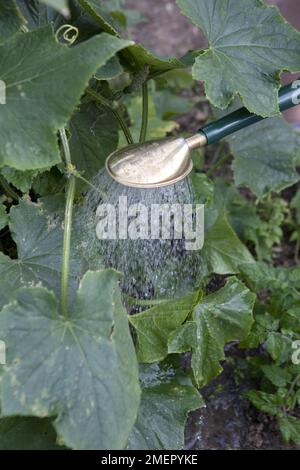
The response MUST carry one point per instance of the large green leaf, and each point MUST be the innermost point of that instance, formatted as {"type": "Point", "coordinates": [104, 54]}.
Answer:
{"type": "Point", "coordinates": [155, 324]}
{"type": "Point", "coordinates": [10, 19]}
{"type": "Point", "coordinates": [221, 317]}
{"type": "Point", "coordinates": [249, 45]}
{"type": "Point", "coordinates": [134, 57]}
{"type": "Point", "coordinates": [264, 156]}
{"type": "Point", "coordinates": [241, 212]}
{"type": "Point", "coordinates": [101, 14]}
{"type": "Point", "coordinates": [27, 434]}
{"type": "Point", "coordinates": [81, 370]}
{"type": "Point", "coordinates": [20, 179]}
{"type": "Point", "coordinates": [39, 239]}
{"type": "Point", "coordinates": [44, 82]}
{"type": "Point", "coordinates": [223, 252]}
{"type": "Point", "coordinates": [111, 69]}
{"type": "Point", "coordinates": [167, 398]}
{"type": "Point", "coordinates": [38, 14]}
{"type": "Point", "coordinates": [94, 135]}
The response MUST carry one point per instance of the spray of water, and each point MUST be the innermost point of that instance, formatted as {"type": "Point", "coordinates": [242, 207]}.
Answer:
{"type": "Point", "coordinates": [150, 268]}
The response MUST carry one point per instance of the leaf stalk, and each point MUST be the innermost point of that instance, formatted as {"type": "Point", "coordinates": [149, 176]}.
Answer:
{"type": "Point", "coordinates": [104, 102]}
{"type": "Point", "coordinates": [70, 194]}
{"type": "Point", "coordinates": [144, 125]}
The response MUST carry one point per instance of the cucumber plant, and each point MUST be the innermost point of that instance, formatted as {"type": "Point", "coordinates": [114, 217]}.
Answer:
{"type": "Point", "coordinates": [74, 86]}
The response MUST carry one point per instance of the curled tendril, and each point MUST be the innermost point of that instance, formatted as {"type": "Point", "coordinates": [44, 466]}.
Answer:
{"type": "Point", "coordinates": [69, 33]}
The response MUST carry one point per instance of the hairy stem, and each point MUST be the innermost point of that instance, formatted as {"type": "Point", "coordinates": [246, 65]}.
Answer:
{"type": "Point", "coordinates": [67, 228]}
{"type": "Point", "coordinates": [144, 125]}
{"type": "Point", "coordinates": [104, 102]}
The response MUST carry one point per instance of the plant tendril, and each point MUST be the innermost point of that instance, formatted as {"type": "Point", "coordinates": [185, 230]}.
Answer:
{"type": "Point", "coordinates": [66, 29]}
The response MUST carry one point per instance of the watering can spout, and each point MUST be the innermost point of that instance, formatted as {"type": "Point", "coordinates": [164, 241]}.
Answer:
{"type": "Point", "coordinates": [153, 164]}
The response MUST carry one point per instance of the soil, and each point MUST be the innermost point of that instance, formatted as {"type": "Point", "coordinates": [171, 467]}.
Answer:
{"type": "Point", "coordinates": [228, 421]}
{"type": "Point", "coordinates": [167, 31]}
